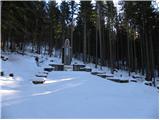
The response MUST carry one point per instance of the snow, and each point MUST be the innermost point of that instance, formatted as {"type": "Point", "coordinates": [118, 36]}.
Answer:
{"type": "Point", "coordinates": [71, 94]}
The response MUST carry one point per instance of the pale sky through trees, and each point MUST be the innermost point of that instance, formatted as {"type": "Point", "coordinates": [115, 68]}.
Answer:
{"type": "Point", "coordinates": [93, 1]}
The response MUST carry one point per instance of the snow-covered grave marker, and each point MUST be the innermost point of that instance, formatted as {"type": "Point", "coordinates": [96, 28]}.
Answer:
{"type": "Point", "coordinates": [41, 75]}
{"type": "Point", "coordinates": [4, 58]}
{"type": "Point", "coordinates": [133, 80]}
{"type": "Point", "coordinates": [38, 81]}
{"type": "Point", "coordinates": [149, 83]}
{"type": "Point", "coordinates": [2, 73]}
{"type": "Point", "coordinates": [48, 69]}
{"type": "Point", "coordinates": [88, 69]}
{"type": "Point", "coordinates": [118, 80]}
{"type": "Point", "coordinates": [78, 67]}
{"type": "Point", "coordinates": [102, 75]}
{"type": "Point", "coordinates": [81, 67]}
{"type": "Point", "coordinates": [51, 60]}
{"type": "Point", "coordinates": [95, 73]}
{"type": "Point", "coordinates": [109, 75]}
{"type": "Point", "coordinates": [57, 67]}
{"type": "Point", "coordinates": [11, 75]}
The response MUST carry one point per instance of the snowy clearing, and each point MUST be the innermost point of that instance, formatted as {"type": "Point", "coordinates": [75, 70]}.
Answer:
{"type": "Point", "coordinates": [70, 94]}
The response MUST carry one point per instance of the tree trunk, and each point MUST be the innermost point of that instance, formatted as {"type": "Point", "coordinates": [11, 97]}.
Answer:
{"type": "Point", "coordinates": [85, 46]}
{"type": "Point", "coordinates": [128, 46]}
{"type": "Point", "coordinates": [110, 49]}
{"type": "Point", "coordinates": [100, 37]}
{"type": "Point", "coordinates": [148, 70]}
{"type": "Point", "coordinates": [152, 58]}
{"type": "Point", "coordinates": [72, 38]}
{"type": "Point", "coordinates": [96, 40]}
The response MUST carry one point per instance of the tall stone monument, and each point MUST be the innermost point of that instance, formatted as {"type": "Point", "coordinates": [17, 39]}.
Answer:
{"type": "Point", "coordinates": [66, 53]}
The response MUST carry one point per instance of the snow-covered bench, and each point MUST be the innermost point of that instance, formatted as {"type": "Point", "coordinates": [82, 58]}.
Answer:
{"type": "Point", "coordinates": [38, 81]}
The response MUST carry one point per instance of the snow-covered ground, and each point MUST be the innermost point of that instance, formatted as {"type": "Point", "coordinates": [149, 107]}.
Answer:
{"type": "Point", "coordinates": [71, 94]}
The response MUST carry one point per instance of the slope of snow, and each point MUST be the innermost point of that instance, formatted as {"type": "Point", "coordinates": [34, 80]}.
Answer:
{"type": "Point", "coordinates": [70, 94]}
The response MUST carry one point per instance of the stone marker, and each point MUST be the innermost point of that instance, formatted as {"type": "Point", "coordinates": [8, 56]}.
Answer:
{"type": "Point", "coordinates": [66, 53]}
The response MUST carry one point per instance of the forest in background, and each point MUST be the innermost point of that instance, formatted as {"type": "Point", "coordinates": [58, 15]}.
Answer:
{"type": "Point", "coordinates": [127, 39]}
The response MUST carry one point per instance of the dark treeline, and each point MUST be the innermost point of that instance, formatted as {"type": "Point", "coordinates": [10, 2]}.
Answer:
{"type": "Point", "coordinates": [98, 34]}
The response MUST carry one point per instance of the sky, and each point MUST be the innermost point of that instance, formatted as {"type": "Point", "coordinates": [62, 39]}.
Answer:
{"type": "Point", "coordinates": [93, 1]}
